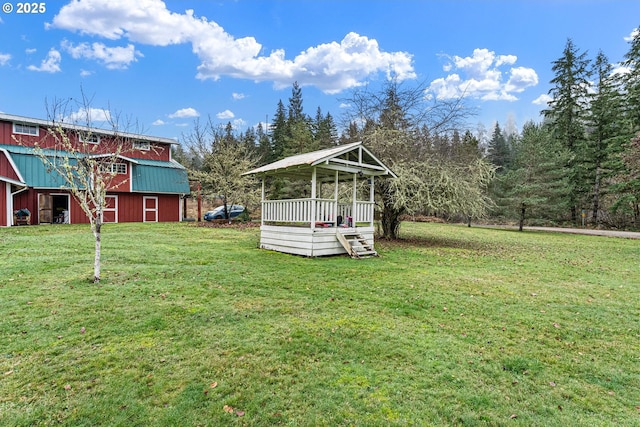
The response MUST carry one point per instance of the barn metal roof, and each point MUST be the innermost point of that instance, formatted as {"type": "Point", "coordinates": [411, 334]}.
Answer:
{"type": "Point", "coordinates": [148, 176]}
{"type": "Point", "coordinates": [76, 127]}
{"type": "Point", "coordinates": [350, 158]}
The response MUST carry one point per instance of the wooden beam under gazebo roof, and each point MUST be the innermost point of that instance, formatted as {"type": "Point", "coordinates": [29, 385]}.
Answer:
{"type": "Point", "coordinates": [351, 158]}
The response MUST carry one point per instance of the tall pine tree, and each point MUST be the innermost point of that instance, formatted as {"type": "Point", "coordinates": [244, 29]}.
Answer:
{"type": "Point", "coordinates": [603, 145]}
{"type": "Point", "coordinates": [499, 153]}
{"type": "Point", "coordinates": [566, 116]}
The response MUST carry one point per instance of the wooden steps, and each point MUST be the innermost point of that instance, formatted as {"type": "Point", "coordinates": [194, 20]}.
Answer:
{"type": "Point", "coordinates": [355, 244]}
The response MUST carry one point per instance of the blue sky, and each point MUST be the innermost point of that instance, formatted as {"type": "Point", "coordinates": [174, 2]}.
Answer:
{"type": "Point", "coordinates": [163, 64]}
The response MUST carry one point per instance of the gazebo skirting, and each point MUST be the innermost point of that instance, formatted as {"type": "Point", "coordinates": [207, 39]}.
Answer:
{"type": "Point", "coordinates": [307, 241]}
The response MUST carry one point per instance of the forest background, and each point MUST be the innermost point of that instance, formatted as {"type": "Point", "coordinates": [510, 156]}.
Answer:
{"type": "Point", "coordinates": [578, 166]}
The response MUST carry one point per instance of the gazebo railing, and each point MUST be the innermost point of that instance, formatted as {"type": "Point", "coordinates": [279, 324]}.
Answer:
{"type": "Point", "coordinates": [315, 211]}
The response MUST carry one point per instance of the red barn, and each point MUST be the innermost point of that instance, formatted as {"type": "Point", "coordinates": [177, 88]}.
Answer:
{"type": "Point", "coordinates": [149, 186]}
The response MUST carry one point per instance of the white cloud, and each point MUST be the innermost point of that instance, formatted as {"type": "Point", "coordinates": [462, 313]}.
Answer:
{"type": "Point", "coordinates": [158, 123]}
{"type": "Point", "coordinates": [184, 112]}
{"type": "Point", "coordinates": [226, 114]}
{"type": "Point", "coordinates": [4, 58]}
{"type": "Point", "coordinates": [85, 73]}
{"type": "Point", "coordinates": [238, 96]}
{"type": "Point", "coordinates": [479, 76]}
{"type": "Point", "coordinates": [543, 99]}
{"type": "Point", "coordinates": [112, 57]}
{"type": "Point", "coordinates": [30, 51]}
{"type": "Point", "coordinates": [332, 67]}
{"type": "Point", "coordinates": [89, 116]}
{"type": "Point", "coordinates": [51, 64]}
{"type": "Point", "coordinates": [632, 35]}
{"type": "Point", "coordinates": [620, 70]}
{"type": "Point", "coordinates": [239, 124]}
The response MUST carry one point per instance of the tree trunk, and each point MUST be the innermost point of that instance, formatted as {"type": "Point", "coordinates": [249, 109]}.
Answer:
{"type": "Point", "coordinates": [390, 221]}
{"type": "Point", "coordinates": [96, 263]}
{"type": "Point", "coordinates": [522, 213]}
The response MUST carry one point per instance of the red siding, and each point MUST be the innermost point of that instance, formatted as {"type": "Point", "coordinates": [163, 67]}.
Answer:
{"type": "Point", "coordinates": [121, 182]}
{"type": "Point", "coordinates": [4, 221]}
{"type": "Point", "coordinates": [6, 169]}
{"type": "Point", "coordinates": [130, 206]}
{"type": "Point", "coordinates": [159, 150]}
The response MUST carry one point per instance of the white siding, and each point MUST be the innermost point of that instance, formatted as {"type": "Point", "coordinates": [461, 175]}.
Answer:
{"type": "Point", "coordinates": [305, 241]}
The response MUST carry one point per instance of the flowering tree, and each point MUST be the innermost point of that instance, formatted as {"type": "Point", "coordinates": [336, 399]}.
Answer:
{"type": "Point", "coordinates": [84, 159]}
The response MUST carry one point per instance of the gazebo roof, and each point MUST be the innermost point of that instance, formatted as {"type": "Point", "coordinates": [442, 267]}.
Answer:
{"type": "Point", "coordinates": [349, 158]}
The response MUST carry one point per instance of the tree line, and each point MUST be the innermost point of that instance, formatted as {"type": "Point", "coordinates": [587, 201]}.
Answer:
{"type": "Point", "coordinates": [579, 163]}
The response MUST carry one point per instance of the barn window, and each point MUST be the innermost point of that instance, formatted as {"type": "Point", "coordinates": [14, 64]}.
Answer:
{"type": "Point", "coordinates": [141, 145]}
{"type": "Point", "coordinates": [24, 129]}
{"type": "Point", "coordinates": [89, 137]}
{"type": "Point", "coordinates": [119, 168]}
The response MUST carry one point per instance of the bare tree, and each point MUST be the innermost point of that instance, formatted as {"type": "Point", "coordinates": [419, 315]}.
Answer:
{"type": "Point", "coordinates": [403, 128]}
{"type": "Point", "coordinates": [224, 159]}
{"type": "Point", "coordinates": [84, 158]}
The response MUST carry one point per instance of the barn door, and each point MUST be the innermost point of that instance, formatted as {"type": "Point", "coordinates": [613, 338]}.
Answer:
{"type": "Point", "coordinates": [150, 213]}
{"type": "Point", "coordinates": [45, 208]}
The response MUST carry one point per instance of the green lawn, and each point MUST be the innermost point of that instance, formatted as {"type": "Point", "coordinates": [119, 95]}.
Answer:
{"type": "Point", "coordinates": [195, 326]}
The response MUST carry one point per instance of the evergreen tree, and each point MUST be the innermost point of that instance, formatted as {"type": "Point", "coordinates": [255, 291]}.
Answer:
{"type": "Point", "coordinates": [536, 184]}
{"type": "Point", "coordinates": [567, 113]}
{"type": "Point", "coordinates": [498, 152]}
{"type": "Point", "coordinates": [603, 145]}
{"type": "Point", "coordinates": [324, 130]}
{"type": "Point", "coordinates": [264, 146]}
{"type": "Point", "coordinates": [279, 131]}
{"type": "Point", "coordinates": [295, 103]}
{"type": "Point", "coordinates": [631, 80]}
{"type": "Point", "coordinates": [628, 186]}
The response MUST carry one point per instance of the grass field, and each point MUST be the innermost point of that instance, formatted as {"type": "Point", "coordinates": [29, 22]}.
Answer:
{"type": "Point", "coordinates": [195, 326]}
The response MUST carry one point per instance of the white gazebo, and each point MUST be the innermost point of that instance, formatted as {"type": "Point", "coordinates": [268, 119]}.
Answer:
{"type": "Point", "coordinates": [318, 225]}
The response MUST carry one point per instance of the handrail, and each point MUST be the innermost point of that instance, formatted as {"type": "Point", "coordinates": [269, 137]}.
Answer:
{"type": "Point", "coordinates": [326, 211]}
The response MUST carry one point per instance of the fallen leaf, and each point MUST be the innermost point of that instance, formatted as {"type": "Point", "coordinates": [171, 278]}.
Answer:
{"type": "Point", "coordinates": [240, 413]}
{"type": "Point", "coordinates": [214, 384]}
{"type": "Point", "coordinates": [67, 387]}
{"type": "Point", "coordinates": [9, 372]}
{"type": "Point", "coordinates": [555, 325]}
{"type": "Point", "coordinates": [513, 417]}
{"type": "Point", "coordinates": [611, 393]}
{"type": "Point", "coordinates": [445, 309]}
{"type": "Point", "coordinates": [228, 409]}
{"type": "Point", "coordinates": [82, 330]}
{"type": "Point", "coordinates": [552, 384]}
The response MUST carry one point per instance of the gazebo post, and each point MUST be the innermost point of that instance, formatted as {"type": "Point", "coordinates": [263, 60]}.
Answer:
{"type": "Point", "coordinates": [371, 198]}
{"type": "Point", "coordinates": [335, 199]}
{"type": "Point", "coordinates": [262, 203]}
{"type": "Point", "coordinates": [314, 176]}
{"type": "Point", "coordinates": [353, 202]}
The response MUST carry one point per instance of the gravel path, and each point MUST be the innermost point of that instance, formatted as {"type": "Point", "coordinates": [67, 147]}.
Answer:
{"type": "Point", "coordinates": [608, 233]}
{"type": "Point", "coordinates": [588, 231]}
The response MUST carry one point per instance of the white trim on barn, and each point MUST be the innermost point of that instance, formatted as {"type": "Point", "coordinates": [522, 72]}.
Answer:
{"type": "Point", "coordinates": [311, 226]}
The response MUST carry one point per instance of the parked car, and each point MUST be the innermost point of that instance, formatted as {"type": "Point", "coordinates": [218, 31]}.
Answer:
{"type": "Point", "coordinates": [218, 213]}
